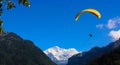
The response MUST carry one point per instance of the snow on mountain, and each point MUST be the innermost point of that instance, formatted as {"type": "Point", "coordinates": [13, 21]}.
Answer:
{"type": "Point", "coordinates": [60, 55]}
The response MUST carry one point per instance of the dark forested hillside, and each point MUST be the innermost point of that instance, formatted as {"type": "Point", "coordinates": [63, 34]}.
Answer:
{"type": "Point", "coordinates": [111, 58]}
{"type": "Point", "coordinates": [16, 51]}
{"type": "Point", "coordinates": [90, 55]}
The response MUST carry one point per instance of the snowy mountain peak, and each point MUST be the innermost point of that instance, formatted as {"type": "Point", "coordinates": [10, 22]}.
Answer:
{"type": "Point", "coordinates": [60, 55]}
{"type": "Point", "coordinates": [56, 47]}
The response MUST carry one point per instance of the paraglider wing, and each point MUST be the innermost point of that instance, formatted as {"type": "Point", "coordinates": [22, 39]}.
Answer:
{"type": "Point", "coordinates": [78, 15]}
{"type": "Point", "coordinates": [90, 10]}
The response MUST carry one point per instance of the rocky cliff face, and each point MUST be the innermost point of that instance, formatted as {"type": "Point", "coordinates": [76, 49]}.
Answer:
{"type": "Point", "coordinates": [92, 54]}
{"type": "Point", "coordinates": [16, 51]}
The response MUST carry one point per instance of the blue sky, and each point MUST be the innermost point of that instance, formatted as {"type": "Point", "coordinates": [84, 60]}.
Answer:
{"type": "Point", "coordinates": [51, 23]}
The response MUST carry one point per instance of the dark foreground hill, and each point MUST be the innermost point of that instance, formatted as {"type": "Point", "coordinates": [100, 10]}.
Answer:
{"type": "Point", "coordinates": [16, 51]}
{"type": "Point", "coordinates": [92, 54]}
{"type": "Point", "coordinates": [111, 58]}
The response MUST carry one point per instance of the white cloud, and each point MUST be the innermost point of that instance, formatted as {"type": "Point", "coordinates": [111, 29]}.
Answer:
{"type": "Point", "coordinates": [112, 23]}
{"type": "Point", "coordinates": [115, 34]}
{"type": "Point", "coordinates": [100, 26]}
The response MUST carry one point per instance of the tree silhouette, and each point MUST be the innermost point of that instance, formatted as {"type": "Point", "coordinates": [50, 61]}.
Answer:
{"type": "Point", "coordinates": [7, 5]}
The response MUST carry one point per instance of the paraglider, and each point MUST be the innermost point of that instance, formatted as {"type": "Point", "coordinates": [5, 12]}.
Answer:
{"type": "Point", "coordinates": [90, 10]}
{"type": "Point", "coordinates": [90, 35]}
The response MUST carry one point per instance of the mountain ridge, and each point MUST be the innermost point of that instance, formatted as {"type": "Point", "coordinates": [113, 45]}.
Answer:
{"type": "Point", "coordinates": [60, 55]}
{"type": "Point", "coordinates": [16, 51]}
{"type": "Point", "coordinates": [110, 58]}
{"type": "Point", "coordinates": [92, 54]}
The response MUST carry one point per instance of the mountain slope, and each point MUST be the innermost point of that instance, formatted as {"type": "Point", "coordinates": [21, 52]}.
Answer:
{"type": "Point", "coordinates": [60, 55]}
{"type": "Point", "coordinates": [92, 54]}
{"type": "Point", "coordinates": [16, 51]}
{"type": "Point", "coordinates": [111, 58]}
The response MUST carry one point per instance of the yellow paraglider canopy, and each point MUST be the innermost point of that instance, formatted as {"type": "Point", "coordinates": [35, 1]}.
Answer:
{"type": "Point", "coordinates": [90, 10]}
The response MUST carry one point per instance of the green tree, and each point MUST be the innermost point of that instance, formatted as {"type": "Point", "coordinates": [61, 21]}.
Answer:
{"type": "Point", "coordinates": [7, 5]}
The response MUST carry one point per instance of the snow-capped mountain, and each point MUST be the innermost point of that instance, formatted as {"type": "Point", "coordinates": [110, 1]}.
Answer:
{"type": "Point", "coordinates": [60, 55]}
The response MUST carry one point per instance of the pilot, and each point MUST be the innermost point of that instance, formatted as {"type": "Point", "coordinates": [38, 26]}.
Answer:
{"type": "Point", "coordinates": [90, 35]}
